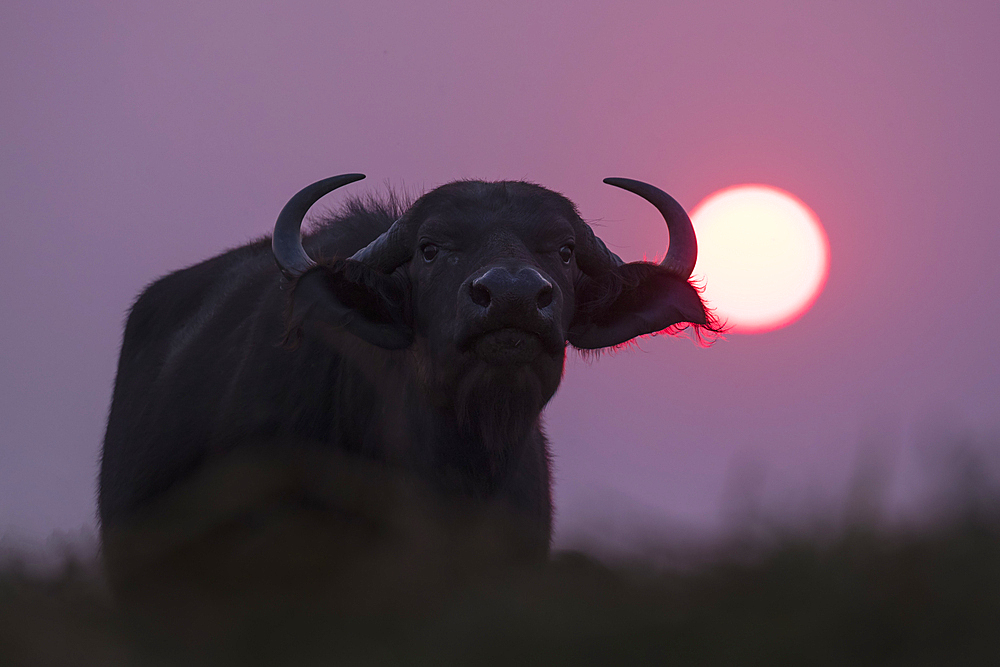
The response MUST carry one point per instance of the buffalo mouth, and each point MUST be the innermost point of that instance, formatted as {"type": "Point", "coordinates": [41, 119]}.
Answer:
{"type": "Point", "coordinates": [508, 346]}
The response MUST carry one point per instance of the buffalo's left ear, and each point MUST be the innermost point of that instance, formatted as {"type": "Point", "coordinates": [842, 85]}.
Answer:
{"type": "Point", "coordinates": [635, 299]}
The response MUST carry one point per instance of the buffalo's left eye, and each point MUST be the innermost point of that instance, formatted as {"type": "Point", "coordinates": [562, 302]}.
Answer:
{"type": "Point", "coordinates": [566, 253]}
{"type": "Point", "coordinates": [429, 251]}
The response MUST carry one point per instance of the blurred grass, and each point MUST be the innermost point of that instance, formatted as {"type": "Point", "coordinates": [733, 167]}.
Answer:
{"type": "Point", "coordinates": [867, 595]}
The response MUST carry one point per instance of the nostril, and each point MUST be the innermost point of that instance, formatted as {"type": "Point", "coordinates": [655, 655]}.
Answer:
{"type": "Point", "coordinates": [480, 294]}
{"type": "Point", "coordinates": [545, 296]}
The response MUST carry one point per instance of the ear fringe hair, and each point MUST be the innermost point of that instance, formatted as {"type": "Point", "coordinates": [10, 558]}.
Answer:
{"type": "Point", "coordinates": [704, 334]}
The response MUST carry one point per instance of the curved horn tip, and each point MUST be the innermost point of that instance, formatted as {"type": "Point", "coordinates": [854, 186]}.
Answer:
{"type": "Point", "coordinates": [330, 184]}
{"type": "Point", "coordinates": [334, 182]}
{"type": "Point", "coordinates": [630, 184]}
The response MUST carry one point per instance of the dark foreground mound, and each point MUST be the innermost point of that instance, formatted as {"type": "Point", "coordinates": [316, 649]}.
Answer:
{"type": "Point", "coordinates": [930, 597]}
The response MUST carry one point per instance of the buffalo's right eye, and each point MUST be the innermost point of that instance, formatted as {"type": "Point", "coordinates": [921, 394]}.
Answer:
{"type": "Point", "coordinates": [429, 251]}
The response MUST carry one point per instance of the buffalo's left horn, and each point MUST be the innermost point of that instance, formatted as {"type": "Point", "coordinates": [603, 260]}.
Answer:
{"type": "Point", "coordinates": [286, 244]}
{"type": "Point", "coordinates": [683, 249]}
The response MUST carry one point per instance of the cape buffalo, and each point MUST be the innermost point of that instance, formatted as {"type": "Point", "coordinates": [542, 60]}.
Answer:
{"type": "Point", "coordinates": [415, 342]}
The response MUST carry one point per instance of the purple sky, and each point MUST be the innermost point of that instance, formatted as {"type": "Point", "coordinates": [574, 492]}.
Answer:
{"type": "Point", "coordinates": [140, 140]}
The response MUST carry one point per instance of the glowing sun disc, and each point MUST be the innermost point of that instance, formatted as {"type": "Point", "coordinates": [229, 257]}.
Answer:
{"type": "Point", "coordinates": [762, 254]}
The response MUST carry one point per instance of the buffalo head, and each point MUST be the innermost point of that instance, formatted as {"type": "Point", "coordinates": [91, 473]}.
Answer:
{"type": "Point", "coordinates": [487, 282]}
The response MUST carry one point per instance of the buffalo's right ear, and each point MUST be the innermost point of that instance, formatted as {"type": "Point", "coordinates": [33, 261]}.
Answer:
{"type": "Point", "coordinates": [352, 296]}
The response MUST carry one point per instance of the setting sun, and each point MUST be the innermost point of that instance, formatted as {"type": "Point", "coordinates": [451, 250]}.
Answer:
{"type": "Point", "coordinates": [762, 254]}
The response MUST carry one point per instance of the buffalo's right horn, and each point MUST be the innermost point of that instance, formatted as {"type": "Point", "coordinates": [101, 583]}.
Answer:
{"type": "Point", "coordinates": [286, 244]}
{"type": "Point", "coordinates": [683, 250]}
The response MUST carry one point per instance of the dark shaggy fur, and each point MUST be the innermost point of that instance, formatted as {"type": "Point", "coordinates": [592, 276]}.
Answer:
{"type": "Point", "coordinates": [400, 378]}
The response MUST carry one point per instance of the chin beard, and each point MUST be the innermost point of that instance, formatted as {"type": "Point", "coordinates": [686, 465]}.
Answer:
{"type": "Point", "coordinates": [496, 409]}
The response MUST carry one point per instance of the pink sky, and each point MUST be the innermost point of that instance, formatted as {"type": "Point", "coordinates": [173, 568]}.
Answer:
{"type": "Point", "coordinates": [138, 140]}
